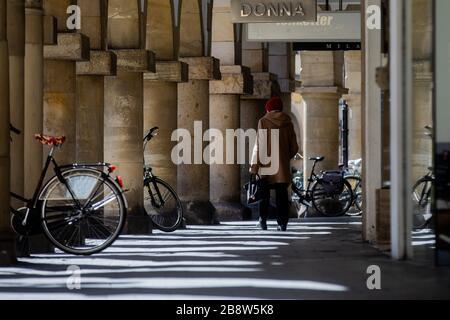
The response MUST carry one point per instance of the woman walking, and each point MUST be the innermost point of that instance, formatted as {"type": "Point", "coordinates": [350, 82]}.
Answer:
{"type": "Point", "coordinates": [276, 119]}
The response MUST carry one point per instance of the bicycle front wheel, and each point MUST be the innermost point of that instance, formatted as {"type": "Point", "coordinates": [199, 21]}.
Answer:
{"type": "Point", "coordinates": [332, 205]}
{"type": "Point", "coordinates": [162, 205]}
{"type": "Point", "coordinates": [356, 185]}
{"type": "Point", "coordinates": [84, 212]}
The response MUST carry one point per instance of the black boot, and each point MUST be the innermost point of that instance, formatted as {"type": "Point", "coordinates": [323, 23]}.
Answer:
{"type": "Point", "coordinates": [282, 228]}
{"type": "Point", "coordinates": [262, 224]}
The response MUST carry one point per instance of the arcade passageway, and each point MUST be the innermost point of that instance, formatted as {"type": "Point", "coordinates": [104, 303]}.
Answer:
{"type": "Point", "coordinates": [316, 259]}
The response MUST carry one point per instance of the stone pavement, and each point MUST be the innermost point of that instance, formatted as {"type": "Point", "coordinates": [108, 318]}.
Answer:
{"type": "Point", "coordinates": [315, 259]}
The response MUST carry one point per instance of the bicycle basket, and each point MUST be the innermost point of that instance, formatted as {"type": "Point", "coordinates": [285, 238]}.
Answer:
{"type": "Point", "coordinates": [333, 182]}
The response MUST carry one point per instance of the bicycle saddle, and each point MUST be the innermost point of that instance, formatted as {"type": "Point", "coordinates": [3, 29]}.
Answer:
{"type": "Point", "coordinates": [318, 159]}
{"type": "Point", "coordinates": [50, 140]}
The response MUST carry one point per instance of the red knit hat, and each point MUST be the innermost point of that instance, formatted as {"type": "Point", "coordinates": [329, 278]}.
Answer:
{"type": "Point", "coordinates": [274, 104]}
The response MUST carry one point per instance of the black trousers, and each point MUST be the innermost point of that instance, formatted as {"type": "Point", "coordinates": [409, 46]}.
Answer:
{"type": "Point", "coordinates": [282, 201]}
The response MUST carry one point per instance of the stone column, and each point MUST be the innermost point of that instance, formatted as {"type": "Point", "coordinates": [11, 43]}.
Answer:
{"type": "Point", "coordinates": [90, 83]}
{"type": "Point", "coordinates": [225, 114]}
{"type": "Point", "coordinates": [7, 242]}
{"type": "Point", "coordinates": [321, 90]}
{"type": "Point", "coordinates": [60, 79]}
{"type": "Point", "coordinates": [422, 156]}
{"type": "Point", "coordinates": [124, 106]}
{"type": "Point", "coordinates": [16, 43]}
{"type": "Point", "coordinates": [282, 65]}
{"type": "Point", "coordinates": [90, 105]}
{"type": "Point", "coordinates": [160, 89]}
{"type": "Point", "coordinates": [60, 90]}
{"type": "Point", "coordinates": [353, 98]}
{"type": "Point", "coordinates": [33, 101]}
{"type": "Point", "coordinates": [194, 106]}
{"type": "Point", "coordinates": [160, 110]}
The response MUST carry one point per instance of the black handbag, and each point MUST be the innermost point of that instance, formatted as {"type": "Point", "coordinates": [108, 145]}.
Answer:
{"type": "Point", "coordinates": [256, 189]}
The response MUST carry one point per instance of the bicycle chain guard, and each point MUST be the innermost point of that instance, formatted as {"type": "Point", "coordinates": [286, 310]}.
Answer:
{"type": "Point", "coordinates": [33, 226]}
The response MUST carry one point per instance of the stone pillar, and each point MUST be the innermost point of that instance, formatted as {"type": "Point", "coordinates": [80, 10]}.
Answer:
{"type": "Point", "coordinates": [353, 98]}
{"type": "Point", "coordinates": [90, 83]}
{"type": "Point", "coordinates": [422, 156]}
{"type": "Point", "coordinates": [282, 64]}
{"type": "Point", "coordinates": [225, 114]}
{"type": "Point", "coordinates": [7, 242]}
{"type": "Point", "coordinates": [194, 106]}
{"type": "Point", "coordinates": [322, 81]}
{"type": "Point", "coordinates": [33, 101]}
{"type": "Point", "coordinates": [16, 43]}
{"type": "Point", "coordinates": [382, 81]}
{"type": "Point", "coordinates": [60, 110]}
{"type": "Point", "coordinates": [124, 106]}
{"type": "Point", "coordinates": [160, 89]}
{"type": "Point", "coordinates": [90, 105]}
{"type": "Point", "coordinates": [160, 110]}
{"type": "Point", "coordinates": [371, 128]}
{"type": "Point", "coordinates": [60, 90]}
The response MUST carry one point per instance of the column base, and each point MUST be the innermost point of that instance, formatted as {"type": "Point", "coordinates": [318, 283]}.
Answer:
{"type": "Point", "coordinates": [200, 213]}
{"type": "Point", "coordinates": [138, 224]}
{"type": "Point", "coordinates": [7, 248]}
{"type": "Point", "coordinates": [39, 244]}
{"type": "Point", "coordinates": [230, 211]}
{"type": "Point", "coordinates": [34, 245]}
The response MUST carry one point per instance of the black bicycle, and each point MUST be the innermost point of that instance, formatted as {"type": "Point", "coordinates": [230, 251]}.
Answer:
{"type": "Point", "coordinates": [161, 202]}
{"type": "Point", "coordinates": [328, 193]}
{"type": "Point", "coordinates": [422, 194]}
{"type": "Point", "coordinates": [81, 210]}
{"type": "Point", "coordinates": [353, 175]}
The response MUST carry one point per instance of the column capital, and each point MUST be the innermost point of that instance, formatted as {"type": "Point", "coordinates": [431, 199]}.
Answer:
{"type": "Point", "coordinates": [287, 85]}
{"type": "Point", "coordinates": [135, 60]}
{"type": "Point", "coordinates": [169, 71]}
{"type": "Point", "coordinates": [264, 85]}
{"type": "Point", "coordinates": [70, 47]}
{"type": "Point", "coordinates": [235, 80]}
{"type": "Point", "coordinates": [203, 68]}
{"type": "Point", "coordinates": [33, 4]}
{"type": "Point", "coordinates": [101, 63]}
{"type": "Point", "coordinates": [322, 92]}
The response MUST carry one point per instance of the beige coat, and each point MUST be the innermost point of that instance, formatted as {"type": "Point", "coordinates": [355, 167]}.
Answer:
{"type": "Point", "coordinates": [288, 146]}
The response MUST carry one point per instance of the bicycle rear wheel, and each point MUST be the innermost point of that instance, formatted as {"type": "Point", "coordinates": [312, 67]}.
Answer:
{"type": "Point", "coordinates": [422, 210]}
{"type": "Point", "coordinates": [83, 214]}
{"type": "Point", "coordinates": [162, 205]}
{"type": "Point", "coordinates": [332, 205]}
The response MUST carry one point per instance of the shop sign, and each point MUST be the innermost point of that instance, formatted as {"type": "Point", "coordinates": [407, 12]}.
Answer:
{"type": "Point", "coordinates": [246, 11]}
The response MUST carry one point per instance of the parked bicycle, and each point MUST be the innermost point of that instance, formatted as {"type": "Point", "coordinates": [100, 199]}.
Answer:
{"type": "Point", "coordinates": [328, 193]}
{"type": "Point", "coordinates": [353, 175]}
{"type": "Point", "coordinates": [81, 210]}
{"type": "Point", "coordinates": [422, 194]}
{"type": "Point", "coordinates": [161, 202]}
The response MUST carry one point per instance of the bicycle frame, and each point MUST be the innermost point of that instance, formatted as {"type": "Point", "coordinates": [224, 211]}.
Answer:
{"type": "Point", "coordinates": [149, 177]}
{"type": "Point", "coordinates": [304, 195]}
{"type": "Point", "coordinates": [31, 204]}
